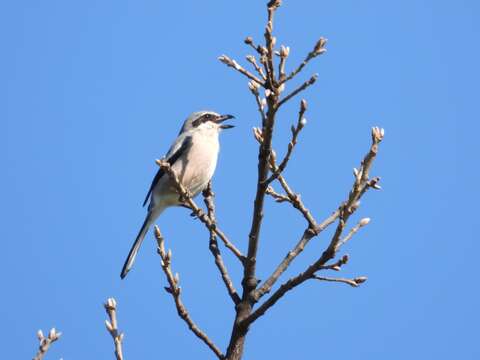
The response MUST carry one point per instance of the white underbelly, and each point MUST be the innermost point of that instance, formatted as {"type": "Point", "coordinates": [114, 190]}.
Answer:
{"type": "Point", "coordinates": [194, 171]}
{"type": "Point", "coordinates": [198, 171]}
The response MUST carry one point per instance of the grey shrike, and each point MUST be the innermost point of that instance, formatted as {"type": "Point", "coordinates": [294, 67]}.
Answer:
{"type": "Point", "coordinates": [193, 157]}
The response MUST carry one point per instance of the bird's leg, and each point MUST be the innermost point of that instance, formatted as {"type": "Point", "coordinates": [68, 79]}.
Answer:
{"type": "Point", "coordinates": [187, 206]}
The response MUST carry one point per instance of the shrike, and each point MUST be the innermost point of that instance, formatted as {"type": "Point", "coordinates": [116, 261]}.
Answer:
{"type": "Point", "coordinates": [193, 156]}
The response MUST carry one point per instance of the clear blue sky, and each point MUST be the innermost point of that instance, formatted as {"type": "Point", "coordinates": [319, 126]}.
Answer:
{"type": "Point", "coordinates": [93, 91]}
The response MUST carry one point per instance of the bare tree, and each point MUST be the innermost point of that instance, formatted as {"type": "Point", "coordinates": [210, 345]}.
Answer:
{"type": "Point", "coordinates": [268, 77]}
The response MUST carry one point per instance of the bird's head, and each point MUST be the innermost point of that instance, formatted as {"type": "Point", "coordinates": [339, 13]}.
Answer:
{"type": "Point", "coordinates": [206, 120]}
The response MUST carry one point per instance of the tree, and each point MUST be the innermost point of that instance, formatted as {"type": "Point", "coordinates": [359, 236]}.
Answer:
{"type": "Point", "coordinates": [256, 298]}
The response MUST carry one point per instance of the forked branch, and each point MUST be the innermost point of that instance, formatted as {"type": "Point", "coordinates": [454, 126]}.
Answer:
{"type": "Point", "coordinates": [45, 342]}
{"type": "Point", "coordinates": [174, 289]}
{"type": "Point", "coordinates": [361, 184]}
{"type": "Point", "coordinates": [233, 64]}
{"type": "Point", "coordinates": [208, 196]}
{"type": "Point", "coordinates": [319, 49]}
{"type": "Point", "coordinates": [199, 213]}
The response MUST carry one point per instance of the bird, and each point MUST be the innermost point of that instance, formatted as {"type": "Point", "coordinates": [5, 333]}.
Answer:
{"type": "Point", "coordinates": [193, 157]}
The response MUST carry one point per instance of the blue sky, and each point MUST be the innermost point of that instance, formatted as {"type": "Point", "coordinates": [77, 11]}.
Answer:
{"type": "Point", "coordinates": [93, 91]}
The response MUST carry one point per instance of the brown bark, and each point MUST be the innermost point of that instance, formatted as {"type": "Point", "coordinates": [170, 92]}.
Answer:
{"type": "Point", "coordinates": [239, 331]}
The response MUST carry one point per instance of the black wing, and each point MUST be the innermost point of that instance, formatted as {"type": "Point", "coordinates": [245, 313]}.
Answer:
{"type": "Point", "coordinates": [171, 160]}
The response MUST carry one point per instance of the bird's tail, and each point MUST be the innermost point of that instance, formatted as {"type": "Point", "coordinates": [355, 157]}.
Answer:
{"type": "Point", "coordinates": [136, 245]}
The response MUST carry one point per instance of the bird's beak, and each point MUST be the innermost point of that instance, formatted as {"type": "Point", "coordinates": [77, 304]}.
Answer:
{"type": "Point", "coordinates": [222, 118]}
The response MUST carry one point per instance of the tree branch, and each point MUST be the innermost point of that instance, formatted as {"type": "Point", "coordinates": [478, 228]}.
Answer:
{"type": "Point", "coordinates": [277, 196]}
{"type": "Point", "coordinates": [352, 232]}
{"type": "Point", "coordinates": [302, 87]}
{"type": "Point", "coordinates": [308, 234]}
{"type": "Point", "coordinates": [283, 54]}
{"type": "Point", "coordinates": [270, 41]}
{"type": "Point", "coordinates": [337, 265]}
{"type": "Point", "coordinates": [111, 325]}
{"type": "Point", "coordinates": [319, 49]}
{"type": "Point", "coordinates": [199, 213]}
{"type": "Point", "coordinates": [46, 342]}
{"type": "Point", "coordinates": [174, 290]}
{"type": "Point", "coordinates": [301, 122]}
{"type": "Point", "coordinates": [360, 186]}
{"type": "Point", "coordinates": [297, 203]}
{"type": "Point", "coordinates": [260, 103]}
{"type": "Point", "coordinates": [257, 217]}
{"type": "Point", "coordinates": [293, 198]}
{"type": "Point", "coordinates": [213, 246]}
{"type": "Point", "coordinates": [352, 282]}
{"type": "Point", "coordinates": [251, 59]}
{"type": "Point", "coordinates": [233, 64]}
{"type": "Point", "coordinates": [249, 280]}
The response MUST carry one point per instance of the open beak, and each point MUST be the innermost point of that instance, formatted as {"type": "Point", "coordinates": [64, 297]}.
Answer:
{"type": "Point", "coordinates": [222, 118]}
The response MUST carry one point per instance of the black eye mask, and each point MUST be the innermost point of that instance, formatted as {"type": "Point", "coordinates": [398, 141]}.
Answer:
{"type": "Point", "coordinates": [202, 119]}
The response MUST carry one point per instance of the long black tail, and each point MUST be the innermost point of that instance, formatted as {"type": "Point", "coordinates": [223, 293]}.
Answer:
{"type": "Point", "coordinates": [136, 245]}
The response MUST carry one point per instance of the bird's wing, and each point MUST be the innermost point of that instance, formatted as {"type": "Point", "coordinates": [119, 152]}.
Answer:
{"type": "Point", "coordinates": [177, 150]}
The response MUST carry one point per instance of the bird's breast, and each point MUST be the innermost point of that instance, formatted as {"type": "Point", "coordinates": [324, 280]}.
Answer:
{"type": "Point", "coordinates": [198, 166]}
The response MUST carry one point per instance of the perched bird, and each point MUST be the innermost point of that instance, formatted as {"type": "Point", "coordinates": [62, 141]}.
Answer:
{"type": "Point", "coordinates": [193, 156]}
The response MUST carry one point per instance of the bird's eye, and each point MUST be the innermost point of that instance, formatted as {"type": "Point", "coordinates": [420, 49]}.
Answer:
{"type": "Point", "coordinates": [208, 117]}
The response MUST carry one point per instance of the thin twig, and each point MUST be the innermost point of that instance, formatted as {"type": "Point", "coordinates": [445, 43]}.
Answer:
{"type": "Point", "coordinates": [277, 196]}
{"type": "Point", "coordinates": [199, 213]}
{"type": "Point", "coordinates": [270, 41]}
{"type": "Point", "coordinates": [352, 282]}
{"type": "Point", "coordinates": [249, 41]}
{"type": "Point", "coordinates": [45, 342]}
{"type": "Point", "coordinates": [233, 64]}
{"type": "Point", "coordinates": [283, 54]}
{"type": "Point", "coordinates": [363, 222]}
{"type": "Point", "coordinates": [336, 266]}
{"type": "Point", "coordinates": [287, 286]}
{"type": "Point", "coordinates": [260, 103]}
{"type": "Point", "coordinates": [308, 234]}
{"type": "Point", "coordinates": [361, 184]}
{"type": "Point", "coordinates": [301, 122]}
{"type": "Point", "coordinates": [302, 87]}
{"type": "Point", "coordinates": [208, 196]}
{"type": "Point", "coordinates": [319, 49]}
{"type": "Point", "coordinates": [175, 290]}
{"type": "Point", "coordinates": [298, 204]}
{"type": "Point", "coordinates": [112, 327]}
{"type": "Point", "coordinates": [251, 59]}
{"type": "Point", "coordinates": [294, 199]}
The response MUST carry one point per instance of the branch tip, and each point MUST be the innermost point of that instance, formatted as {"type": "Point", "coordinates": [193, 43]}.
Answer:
{"type": "Point", "coordinates": [352, 282]}
{"type": "Point", "coordinates": [364, 222]}
{"type": "Point", "coordinates": [111, 324]}
{"type": "Point", "coordinates": [45, 342]}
